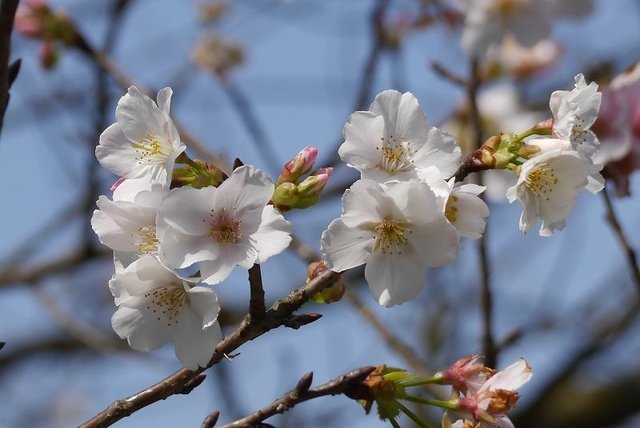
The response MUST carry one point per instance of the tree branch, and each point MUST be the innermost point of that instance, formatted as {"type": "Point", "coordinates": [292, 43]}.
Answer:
{"type": "Point", "coordinates": [256, 301]}
{"type": "Point", "coordinates": [486, 299]}
{"type": "Point", "coordinates": [302, 393]}
{"type": "Point", "coordinates": [630, 253]}
{"type": "Point", "coordinates": [279, 313]}
{"type": "Point", "coordinates": [7, 14]}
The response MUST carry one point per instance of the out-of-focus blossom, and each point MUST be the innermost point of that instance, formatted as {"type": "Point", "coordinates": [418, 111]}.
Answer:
{"type": "Point", "coordinates": [217, 55]}
{"type": "Point", "coordinates": [487, 22]}
{"type": "Point", "coordinates": [521, 62]}
{"type": "Point", "coordinates": [213, 10]}
{"type": "Point", "coordinates": [618, 129]}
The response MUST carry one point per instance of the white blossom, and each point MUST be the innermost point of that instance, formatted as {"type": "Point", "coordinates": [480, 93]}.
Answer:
{"type": "Point", "coordinates": [155, 307]}
{"type": "Point", "coordinates": [548, 186]}
{"type": "Point", "coordinates": [143, 142]}
{"type": "Point", "coordinates": [392, 141]}
{"type": "Point", "coordinates": [222, 227]}
{"type": "Point", "coordinates": [396, 229]}
{"type": "Point", "coordinates": [129, 228]}
{"type": "Point", "coordinates": [573, 114]}
{"type": "Point", "coordinates": [459, 203]}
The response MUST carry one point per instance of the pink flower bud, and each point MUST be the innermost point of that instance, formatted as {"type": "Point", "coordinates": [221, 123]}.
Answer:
{"type": "Point", "coordinates": [298, 166]}
{"type": "Point", "coordinates": [467, 374]}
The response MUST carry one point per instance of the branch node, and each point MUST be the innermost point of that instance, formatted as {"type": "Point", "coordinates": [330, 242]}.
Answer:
{"type": "Point", "coordinates": [211, 420]}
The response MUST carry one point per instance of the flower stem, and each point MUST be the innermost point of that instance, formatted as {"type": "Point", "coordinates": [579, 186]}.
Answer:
{"type": "Point", "coordinates": [448, 404]}
{"type": "Point", "coordinates": [415, 418]}
{"type": "Point", "coordinates": [421, 381]}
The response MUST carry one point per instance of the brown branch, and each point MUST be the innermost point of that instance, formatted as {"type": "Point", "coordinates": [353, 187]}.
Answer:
{"type": "Point", "coordinates": [279, 313]}
{"type": "Point", "coordinates": [302, 393]}
{"type": "Point", "coordinates": [448, 75]}
{"type": "Point", "coordinates": [630, 253]}
{"type": "Point", "coordinates": [486, 299]}
{"type": "Point", "coordinates": [7, 14]}
{"type": "Point", "coordinates": [256, 301]}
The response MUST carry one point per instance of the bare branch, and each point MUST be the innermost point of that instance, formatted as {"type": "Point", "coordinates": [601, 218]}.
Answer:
{"type": "Point", "coordinates": [630, 253]}
{"type": "Point", "coordinates": [447, 74]}
{"type": "Point", "coordinates": [256, 301]}
{"type": "Point", "coordinates": [302, 393]}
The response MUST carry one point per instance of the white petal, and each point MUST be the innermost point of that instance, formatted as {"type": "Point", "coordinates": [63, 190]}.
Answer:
{"type": "Point", "coordinates": [471, 214]}
{"type": "Point", "coordinates": [440, 150]}
{"type": "Point", "coordinates": [415, 201]}
{"type": "Point", "coordinates": [363, 132]}
{"type": "Point", "coordinates": [194, 344]}
{"type": "Point", "coordinates": [273, 236]}
{"type": "Point", "coordinates": [402, 115]}
{"type": "Point", "coordinates": [178, 250]}
{"type": "Point", "coordinates": [510, 378]}
{"type": "Point", "coordinates": [344, 247]}
{"type": "Point", "coordinates": [435, 243]}
{"type": "Point", "coordinates": [364, 202]}
{"type": "Point", "coordinates": [129, 189]}
{"type": "Point", "coordinates": [187, 210]}
{"type": "Point", "coordinates": [229, 256]}
{"type": "Point", "coordinates": [115, 153]}
{"type": "Point", "coordinates": [204, 303]}
{"type": "Point", "coordinates": [394, 278]}
{"type": "Point", "coordinates": [138, 115]}
{"type": "Point", "coordinates": [140, 325]}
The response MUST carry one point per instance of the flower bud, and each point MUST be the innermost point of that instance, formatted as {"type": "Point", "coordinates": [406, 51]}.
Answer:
{"type": "Point", "coordinates": [298, 166]}
{"type": "Point", "coordinates": [288, 195]}
{"type": "Point", "coordinates": [466, 374]}
{"type": "Point", "coordinates": [330, 294]}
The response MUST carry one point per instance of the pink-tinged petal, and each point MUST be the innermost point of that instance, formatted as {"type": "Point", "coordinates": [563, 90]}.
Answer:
{"type": "Point", "coordinates": [395, 278]}
{"type": "Point", "coordinates": [344, 247]}
{"type": "Point", "coordinates": [510, 378]}
{"type": "Point", "coordinates": [403, 117]}
{"type": "Point", "coordinates": [363, 133]}
{"type": "Point", "coordinates": [187, 210]}
{"type": "Point", "coordinates": [273, 236]}
{"type": "Point", "coordinates": [204, 303]}
{"type": "Point", "coordinates": [116, 154]}
{"type": "Point", "coordinates": [503, 422]}
{"type": "Point", "coordinates": [440, 150]}
{"type": "Point", "coordinates": [436, 243]}
{"type": "Point", "coordinates": [178, 250]}
{"type": "Point", "coordinates": [364, 202]}
{"type": "Point", "coordinates": [195, 345]}
{"type": "Point", "coordinates": [135, 321]}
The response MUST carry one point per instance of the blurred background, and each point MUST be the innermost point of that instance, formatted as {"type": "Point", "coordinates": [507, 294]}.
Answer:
{"type": "Point", "coordinates": [259, 80]}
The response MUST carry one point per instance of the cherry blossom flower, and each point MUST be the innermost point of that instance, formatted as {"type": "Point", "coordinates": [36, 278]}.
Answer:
{"type": "Point", "coordinates": [396, 229]}
{"type": "Point", "coordinates": [223, 227]}
{"type": "Point", "coordinates": [497, 396]}
{"type": "Point", "coordinates": [527, 21]}
{"type": "Point", "coordinates": [548, 186]}
{"type": "Point", "coordinates": [467, 374]}
{"type": "Point", "coordinates": [129, 228]}
{"type": "Point", "coordinates": [155, 307]}
{"type": "Point", "coordinates": [573, 114]}
{"type": "Point", "coordinates": [392, 141]}
{"type": "Point", "coordinates": [144, 141]}
{"type": "Point", "coordinates": [460, 203]}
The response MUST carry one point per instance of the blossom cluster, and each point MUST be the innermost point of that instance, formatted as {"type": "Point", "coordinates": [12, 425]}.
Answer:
{"type": "Point", "coordinates": [405, 213]}
{"type": "Point", "coordinates": [160, 232]}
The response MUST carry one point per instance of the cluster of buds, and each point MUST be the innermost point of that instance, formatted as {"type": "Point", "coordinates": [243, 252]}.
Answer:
{"type": "Point", "coordinates": [482, 395]}
{"type": "Point", "coordinates": [330, 294]}
{"type": "Point", "coordinates": [298, 186]}
{"type": "Point", "coordinates": [35, 19]}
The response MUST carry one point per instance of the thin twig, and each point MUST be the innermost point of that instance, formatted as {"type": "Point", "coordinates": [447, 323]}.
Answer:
{"type": "Point", "coordinates": [256, 301]}
{"type": "Point", "coordinates": [279, 313]}
{"type": "Point", "coordinates": [7, 14]}
{"type": "Point", "coordinates": [612, 218]}
{"type": "Point", "coordinates": [448, 75]}
{"type": "Point", "coordinates": [302, 393]}
{"type": "Point", "coordinates": [363, 95]}
{"type": "Point", "coordinates": [486, 299]}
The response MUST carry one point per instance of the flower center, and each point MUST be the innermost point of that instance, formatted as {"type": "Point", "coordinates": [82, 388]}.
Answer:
{"type": "Point", "coordinates": [391, 236]}
{"type": "Point", "coordinates": [450, 209]}
{"type": "Point", "coordinates": [148, 243]}
{"type": "Point", "coordinates": [542, 180]}
{"type": "Point", "coordinates": [166, 302]}
{"type": "Point", "coordinates": [395, 156]}
{"type": "Point", "coordinates": [225, 228]}
{"type": "Point", "coordinates": [150, 149]}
